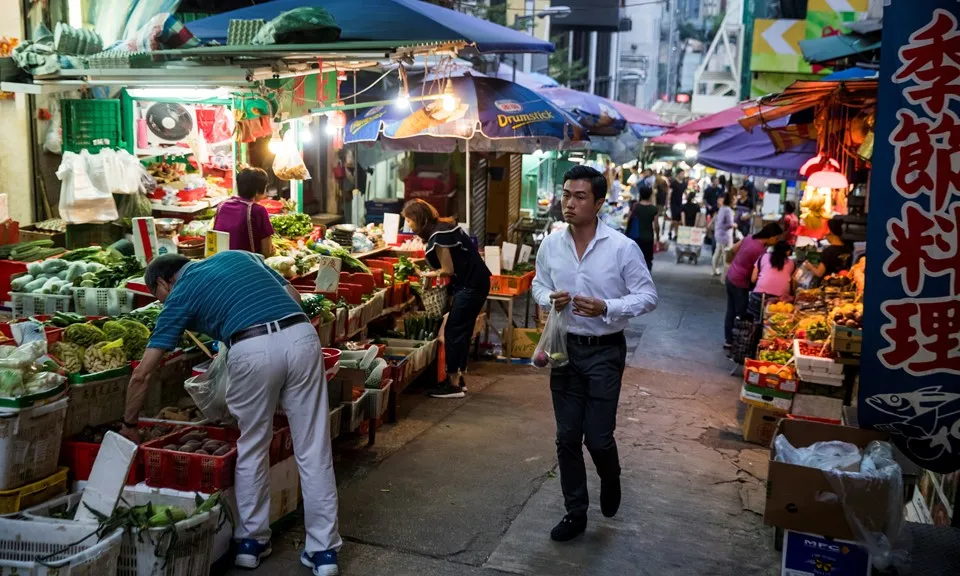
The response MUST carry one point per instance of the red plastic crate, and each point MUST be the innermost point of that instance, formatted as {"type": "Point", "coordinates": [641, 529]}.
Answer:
{"type": "Point", "coordinates": [9, 269]}
{"type": "Point", "coordinates": [190, 472]}
{"type": "Point", "coordinates": [281, 447]}
{"type": "Point", "coordinates": [53, 333]}
{"type": "Point", "coordinates": [511, 285]}
{"type": "Point", "coordinates": [79, 458]}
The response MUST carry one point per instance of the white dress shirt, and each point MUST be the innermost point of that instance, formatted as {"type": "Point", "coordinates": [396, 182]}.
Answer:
{"type": "Point", "coordinates": [612, 269]}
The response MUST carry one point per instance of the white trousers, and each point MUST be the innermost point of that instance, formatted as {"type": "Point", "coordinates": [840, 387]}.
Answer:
{"type": "Point", "coordinates": [284, 367]}
{"type": "Point", "coordinates": [720, 258]}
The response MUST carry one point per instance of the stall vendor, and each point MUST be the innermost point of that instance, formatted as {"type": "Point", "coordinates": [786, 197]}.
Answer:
{"type": "Point", "coordinates": [247, 222]}
{"type": "Point", "coordinates": [837, 256]}
{"type": "Point", "coordinates": [451, 252]}
{"type": "Point", "coordinates": [274, 358]}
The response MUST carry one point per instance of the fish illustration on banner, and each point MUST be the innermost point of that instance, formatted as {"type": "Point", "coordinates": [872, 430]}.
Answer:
{"type": "Point", "coordinates": [910, 364]}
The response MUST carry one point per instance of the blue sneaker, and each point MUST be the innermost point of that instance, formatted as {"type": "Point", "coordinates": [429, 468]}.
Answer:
{"type": "Point", "coordinates": [250, 553]}
{"type": "Point", "coordinates": [322, 563]}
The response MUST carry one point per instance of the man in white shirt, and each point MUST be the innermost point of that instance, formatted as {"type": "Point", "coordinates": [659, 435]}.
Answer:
{"type": "Point", "coordinates": [598, 277]}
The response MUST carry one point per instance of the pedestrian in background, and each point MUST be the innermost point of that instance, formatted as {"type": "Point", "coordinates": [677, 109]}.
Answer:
{"type": "Point", "coordinates": [723, 227]}
{"type": "Point", "coordinates": [678, 189]}
{"type": "Point", "coordinates": [690, 212]}
{"type": "Point", "coordinates": [710, 196]}
{"type": "Point", "coordinates": [642, 225]}
{"type": "Point", "coordinates": [601, 275]}
{"type": "Point", "coordinates": [790, 222]}
{"type": "Point", "coordinates": [745, 256]}
{"type": "Point", "coordinates": [773, 273]}
{"type": "Point", "coordinates": [744, 212]}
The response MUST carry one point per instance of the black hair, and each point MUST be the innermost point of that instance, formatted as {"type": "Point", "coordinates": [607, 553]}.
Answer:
{"type": "Point", "coordinates": [598, 183]}
{"type": "Point", "coordinates": [836, 227]}
{"type": "Point", "coordinates": [771, 230]}
{"type": "Point", "coordinates": [250, 182]}
{"type": "Point", "coordinates": [789, 207]}
{"type": "Point", "coordinates": [781, 251]}
{"type": "Point", "coordinates": [691, 197]}
{"type": "Point", "coordinates": [722, 180]}
{"type": "Point", "coordinates": [165, 267]}
{"type": "Point", "coordinates": [646, 192]}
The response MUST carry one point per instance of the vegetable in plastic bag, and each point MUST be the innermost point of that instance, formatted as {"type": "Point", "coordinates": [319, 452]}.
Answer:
{"type": "Point", "coordinates": [83, 335]}
{"type": "Point", "coordinates": [70, 355]}
{"type": "Point", "coordinates": [104, 356]}
{"type": "Point", "coordinates": [25, 355]}
{"type": "Point", "coordinates": [551, 350]}
{"type": "Point", "coordinates": [42, 381]}
{"type": "Point", "coordinates": [11, 382]}
{"type": "Point", "coordinates": [209, 390]}
{"type": "Point", "coordinates": [288, 164]}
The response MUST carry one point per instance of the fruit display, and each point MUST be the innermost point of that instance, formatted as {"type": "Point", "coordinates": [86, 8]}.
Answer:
{"type": "Point", "coordinates": [780, 357]}
{"type": "Point", "coordinates": [813, 328]}
{"type": "Point", "coordinates": [196, 442]}
{"type": "Point", "coordinates": [848, 316]}
{"type": "Point", "coordinates": [781, 324]}
{"type": "Point", "coordinates": [780, 308]}
{"type": "Point", "coordinates": [839, 280]}
{"type": "Point", "coordinates": [167, 172]}
{"type": "Point", "coordinates": [815, 349]}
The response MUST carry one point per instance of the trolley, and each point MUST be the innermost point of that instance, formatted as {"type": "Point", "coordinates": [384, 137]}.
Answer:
{"type": "Point", "coordinates": [690, 243]}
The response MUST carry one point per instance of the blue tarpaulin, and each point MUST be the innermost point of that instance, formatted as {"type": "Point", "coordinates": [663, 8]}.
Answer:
{"type": "Point", "coordinates": [851, 74]}
{"type": "Point", "coordinates": [412, 21]}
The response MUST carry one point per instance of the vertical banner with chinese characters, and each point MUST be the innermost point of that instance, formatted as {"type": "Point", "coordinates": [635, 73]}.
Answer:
{"type": "Point", "coordinates": [910, 373]}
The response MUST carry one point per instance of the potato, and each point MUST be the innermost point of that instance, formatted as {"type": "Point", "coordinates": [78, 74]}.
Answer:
{"type": "Point", "coordinates": [173, 447]}
{"type": "Point", "coordinates": [199, 436]}
{"type": "Point", "coordinates": [202, 452]}
{"type": "Point", "coordinates": [212, 445]}
{"type": "Point", "coordinates": [223, 451]}
{"type": "Point", "coordinates": [188, 448]}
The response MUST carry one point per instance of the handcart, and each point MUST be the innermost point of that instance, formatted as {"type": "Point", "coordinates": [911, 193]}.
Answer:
{"type": "Point", "coordinates": [690, 243]}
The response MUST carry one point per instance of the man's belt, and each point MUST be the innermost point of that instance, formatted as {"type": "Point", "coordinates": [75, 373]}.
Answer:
{"type": "Point", "coordinates": [264, 329]}
{"type": "Point", "coordinates": [604, 340]}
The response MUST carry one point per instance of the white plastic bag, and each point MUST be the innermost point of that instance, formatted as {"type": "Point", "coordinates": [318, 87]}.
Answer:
{"type": "Point", "coordinates": [53, 139]}
{"type": "Point", "coordinates": [288, 163]}
{"type": "Point", "coordinates": [209, 390]}
{"type": "Point", "coordinates": [823, 455]}
{"type": "Point", "coordinates": [551, 350]}
{"type": "Point", "coordinates": [81, 202]}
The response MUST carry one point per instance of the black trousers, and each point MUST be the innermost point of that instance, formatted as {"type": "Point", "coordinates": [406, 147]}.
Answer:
{"type": "Point", "coordinates": [737, 300]}
{"type": "Point", "coordinates": [586, 393]}
{"type": "Point", "coordinates": [467, 305]}
{"type": "Point", "coordinates": [646, 246]}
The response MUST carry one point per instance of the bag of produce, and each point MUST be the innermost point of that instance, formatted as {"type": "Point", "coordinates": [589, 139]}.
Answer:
{"type": "Point", "coordinates": [288, 163]}
{"type": "Point", "coordinates": [209, 390]}
{"type": "Point", "coordinates": [43, 381]}
{"type": "Point", "coordinates": [70, 355]}
{"type": "Point", "coordinates": [11, 382]}
{"type": "Point", "coordinates": [552, 349]}
{"type": "Point", "coordinates": [104, 356]}
{"type": "Point", "coordinates": [23, 356]}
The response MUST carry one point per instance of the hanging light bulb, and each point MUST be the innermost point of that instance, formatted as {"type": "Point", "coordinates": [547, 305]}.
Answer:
{"type": "Point", "coordinates": [403, 100]}
{"type": "Point", "coordinates": [330, 129]}
{"type": "Point", "coordinates": [448, 100]}
{"type": "Point", "coordinates": [275, 144]}
{"type": "Point", "coordinates": [828, 179]}
{"type": "Point", "coordinates": [306, 131]}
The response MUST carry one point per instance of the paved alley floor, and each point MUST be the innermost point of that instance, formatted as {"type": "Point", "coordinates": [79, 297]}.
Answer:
{"type": "Point", "coordinates": [470, 487]}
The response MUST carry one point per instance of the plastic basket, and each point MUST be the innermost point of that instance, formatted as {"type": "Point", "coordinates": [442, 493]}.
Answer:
{"type": "Point", "coordinates": [12, 501]}
{"type": "Point", "coordinates": [79, 456]}
{"type": "Point", "coordinates": [102, 301]}
{"type": "Point", "coordinates": [511, 285]}
{"type": "Point", "coordinates": [96, 402]}
{"type": "Point", "coordinates": [30, 443]}
{"type": "Point", "coordinates": [25, 305]}
{"type": "Point", "coordinates": [91, 125]}
{"type": "Point", "coordinates": [335, 422]}
{"type": "Point", "coordinates": [379, 399]}
{"type": "Point", "coordinates": [185, 471]}
{"type": "Point", "coordinates": [149, 553]}
{"type": "Point", "coordinates": [75, 548]}
{"type": "Point", "coordinates": [355, 412]}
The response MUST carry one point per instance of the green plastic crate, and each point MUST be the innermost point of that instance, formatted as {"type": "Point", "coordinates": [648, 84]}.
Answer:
{"type": "Point", "coordinates": [91, 125]}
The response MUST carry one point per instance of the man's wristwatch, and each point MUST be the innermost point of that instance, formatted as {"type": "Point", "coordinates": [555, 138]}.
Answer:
{"type": "Point", "coordinates": [604, 309]}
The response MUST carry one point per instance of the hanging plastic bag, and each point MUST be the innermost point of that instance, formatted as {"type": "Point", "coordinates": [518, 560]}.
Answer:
{"type": "Point", "coordinates": [552, 349]}
{"type": "Point", "coordinates": [53, 139]}
{"type": "Point", "coordinates": [81, 202]}
{"type": "Point", "coordinates": [209, 390]}
{"type": "Point", "coordinates": [288, 163]}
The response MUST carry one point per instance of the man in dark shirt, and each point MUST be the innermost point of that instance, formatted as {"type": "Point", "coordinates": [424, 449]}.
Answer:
{"type": "Point", "coordinates": [710, 196]}
{"type": "Point", "coordinates": [678, 187]}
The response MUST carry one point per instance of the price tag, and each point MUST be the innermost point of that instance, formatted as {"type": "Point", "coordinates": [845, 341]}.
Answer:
{"type": "Point", "coordinates": [216, 242]}
{"type": "Point", "coordinates": [145, 246]}
{"type": "Point", "coordinates": [491, 255]}
{"type": "Point", "coordinates": [391, 228]}
{"type": "Point", "coordinates": [508, 255]}
{"type": "Point", "coordinates": [525, 252]}
{"type": "Point", "coordinates": [328, 274]}
{"type": "Point", "coordinates": [753, 377]}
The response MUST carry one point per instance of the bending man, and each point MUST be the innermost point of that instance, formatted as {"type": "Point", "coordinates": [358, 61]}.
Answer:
{"type": "Point", "coordinates": [274, 357]}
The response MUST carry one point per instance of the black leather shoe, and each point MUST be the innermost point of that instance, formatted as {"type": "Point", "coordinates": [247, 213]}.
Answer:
{"type": "Point", "coordinates": [568, 528]}
{"type": "Point", "coordinates": [610, 496]}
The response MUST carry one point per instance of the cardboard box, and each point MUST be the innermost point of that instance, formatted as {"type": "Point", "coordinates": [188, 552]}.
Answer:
{"type": "Point", "coordinates": [766, 398]}
{"type": "Point", "coordinates": [525, 341]}
{"type": "Point", "coordinates": [812, 555]}
{"type": "Point", "coordinates": [799, 497]}
{"type": "Point", "coordinates": [760, 425]}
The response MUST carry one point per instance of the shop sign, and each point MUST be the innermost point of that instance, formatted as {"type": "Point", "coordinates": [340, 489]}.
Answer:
{"type": "Point", "coordinates": [910, 374]}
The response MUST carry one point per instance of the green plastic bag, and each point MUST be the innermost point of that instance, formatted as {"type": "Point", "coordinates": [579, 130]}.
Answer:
{"type": "Point", "coordinates": [304, 25]}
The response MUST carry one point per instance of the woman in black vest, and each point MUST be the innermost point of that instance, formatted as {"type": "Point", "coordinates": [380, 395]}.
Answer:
{"type": "Point", "coordinates": [451, 253]}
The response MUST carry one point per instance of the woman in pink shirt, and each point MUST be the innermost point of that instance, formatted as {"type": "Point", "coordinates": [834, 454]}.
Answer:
{"type": "Point", "coordinates": [745, 255]}
{"type": "Point", "coordinates": [247, 222]}
{"type": "Point", "coordinates": [773, 274]}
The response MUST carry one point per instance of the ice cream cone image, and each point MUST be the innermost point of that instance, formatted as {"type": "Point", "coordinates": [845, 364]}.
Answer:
{"type": "Point", "coordinates": [431, 115]}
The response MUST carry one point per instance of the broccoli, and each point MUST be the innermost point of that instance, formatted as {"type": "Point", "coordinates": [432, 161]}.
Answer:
{"type": "Point", "coordinates": [84, 335]}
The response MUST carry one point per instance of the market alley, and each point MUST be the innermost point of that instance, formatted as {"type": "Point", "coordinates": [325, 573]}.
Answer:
{"type": "Point", "coordinates": [470, 487]}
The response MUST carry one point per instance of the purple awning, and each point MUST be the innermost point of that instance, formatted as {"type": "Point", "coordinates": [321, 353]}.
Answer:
{"type": "Point", "coordinates": [733, 149]}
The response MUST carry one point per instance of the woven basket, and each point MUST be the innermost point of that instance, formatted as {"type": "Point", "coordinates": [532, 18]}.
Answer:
{"type": "Point", "coordinates": [435, 302]}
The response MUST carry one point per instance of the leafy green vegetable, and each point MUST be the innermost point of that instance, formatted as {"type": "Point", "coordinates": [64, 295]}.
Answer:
{"type": "Point", "coordinates": [84, 335]}
{"type": "Point", "coordinates": [113, 275]}
{"type": "Point", "coordinates": [350, 264]}
{"type": "Point", "coordinates": [147, 315]}
{"type": "Point", "coordinates": [292, 225]}
{"type": "Point", "coordinates": [404, 269]}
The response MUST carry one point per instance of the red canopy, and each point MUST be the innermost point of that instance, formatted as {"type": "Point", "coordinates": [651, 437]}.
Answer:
{"type": "Point", "coordinates": [677, 138]}
{"type": "Point", "coordinates": [715, 121]}
{"type": "Point", "coordinates": [634, 115]}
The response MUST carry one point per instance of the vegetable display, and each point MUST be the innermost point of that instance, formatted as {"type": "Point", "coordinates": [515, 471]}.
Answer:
{"type": "Point", "coordinates": [316, 306]}
{"type": "Point", "coordinates": [404, 269]}
{"type": "Point", "coordinates": [350, 264]}
{"type": "Point", "coordinates": [83, 335]}
{"type": "Point", "coordinates": [196, 442]}
{"type": "Point", "coordinates": [292, 225]}
{"type": "Point", "coordinates": [104, 356]}
{"type": "Point", "coordinates": [114, 275]}
{"type": "Point", "coordinates": [70, 355]}
{"type": "Point", "coordinates": [134, 335]}
{"type": "Point", "coordinates": [95, 434]}
{"type": "Point", "coordinates": [147, 315]}
{"type": "Point", "coordinates": [520, 269]}
{"type": "Point", "coordinates": [20, 373]}
{"type": "Point", "coordinates": [29, 251]}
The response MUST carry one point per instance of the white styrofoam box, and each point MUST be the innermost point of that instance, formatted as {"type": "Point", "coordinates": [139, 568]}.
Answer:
{"type": "Point", "coordinates": [30, 443]}
{"type": "Point", "coordinates": [379, 400]}
{"type": "Point", "coordinates": [815, 364]}
{"type": "Point", "coordinates": [824, 378]}
{"type": "Point", "coordinates": [107, 478]}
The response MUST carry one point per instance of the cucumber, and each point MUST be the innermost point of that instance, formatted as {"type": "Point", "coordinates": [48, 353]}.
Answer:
{"type": "Point", "coordinates": [18, 283]}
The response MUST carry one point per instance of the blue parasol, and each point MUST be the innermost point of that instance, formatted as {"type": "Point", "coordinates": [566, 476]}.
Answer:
{"type": "Point", "coordinates": [597, 114]}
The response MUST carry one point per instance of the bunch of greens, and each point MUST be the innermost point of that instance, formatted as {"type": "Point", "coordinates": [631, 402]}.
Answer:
{"type": "Point", "coordinates": [292, 225]}
{"type": "Point", "coordinates": [404, 269]}
{"type": "Point", "coordinates": [520, 269]}
{"type": "Point", "coordinates": [115, 274]}
{"type": "Point", "coordinates": [93, 254]}
{"type": "Point", "coordinates": [350, 264]}
{"type": "Point", "coordinates": [147, 315]}
{"type": "Point", "coordinates": [316, 306]}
